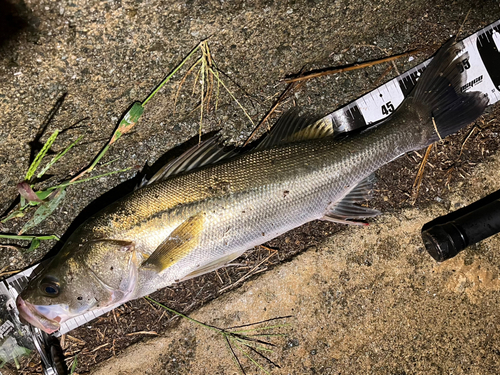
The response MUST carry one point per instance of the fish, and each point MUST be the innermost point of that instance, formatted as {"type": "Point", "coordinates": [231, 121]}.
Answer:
{"type": "Point", "coordinates": [210, 205]}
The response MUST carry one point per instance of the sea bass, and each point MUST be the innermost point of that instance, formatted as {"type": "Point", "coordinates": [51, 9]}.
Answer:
{"type": "Point", "coordinates": [209, 206]}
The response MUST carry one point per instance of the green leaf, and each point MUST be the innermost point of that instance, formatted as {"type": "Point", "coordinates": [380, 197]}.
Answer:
{"type": "Point", "coordinates": [16, 213]}
{"type": "Point", "coordinates": [44, 210]}
{"type": "Point", "coordinates": [46, 147]}
{"type": "Point", "coordinates": [57, 157]}
{"type": "Point", "coordinates": [29, 238]}
{"type": "Point", "coordinates": [128, 121]}
{"type": "Point", "coordinates": [34, 244]}
{"type": "Point", "coordinates": [43, 194]}
{"type": "Point", "coordinates": [73, 366]}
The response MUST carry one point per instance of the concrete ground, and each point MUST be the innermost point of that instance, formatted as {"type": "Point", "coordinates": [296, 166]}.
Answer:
{"type": "Point", "coordinates": [367, 300]}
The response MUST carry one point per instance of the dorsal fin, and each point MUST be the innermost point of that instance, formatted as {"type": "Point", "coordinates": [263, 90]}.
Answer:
{"type": "Point", "coordinates": [204, 153]}
{"type": "Point", "coordinates": [293, 127]}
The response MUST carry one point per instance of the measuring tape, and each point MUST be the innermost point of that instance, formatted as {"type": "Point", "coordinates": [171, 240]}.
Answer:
{"type": "Point", "coordinates": [483, 74]}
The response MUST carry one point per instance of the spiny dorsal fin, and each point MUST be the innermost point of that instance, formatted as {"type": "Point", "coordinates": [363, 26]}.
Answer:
{"type": "Point", "coordinates": [177, 245]}
{"type": "Point", "coordinates": [347, 209]}
{"type": "Point", "coordinates": [294, 127]}
{"type": "Point", "coordinates": [291, 127]}
{"type": "Point", "coordinates": [204, 153]}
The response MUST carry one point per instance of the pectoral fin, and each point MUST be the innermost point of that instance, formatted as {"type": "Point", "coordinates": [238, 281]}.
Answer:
{"type": "Point", "coordinates": [177, 245]}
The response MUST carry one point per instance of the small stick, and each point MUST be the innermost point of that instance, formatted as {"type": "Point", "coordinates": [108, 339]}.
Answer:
{"type": "Point", "coordinates": [143, 333]}
{"type": "Point", "coordinates": [384, 51]}
{"type": "Point", "coordinates": [75, 339]}
{"type": "Point", "coordinates": [247, 275]}
{"type": "Point", "coordinates": [12, 247]}
{"type": "Point", "coordinates": [436, 129]}
{"type": "Point", "coordinates": [9, 273]}
{"type": "Point", "coordinates": [63, 341]}
{"type": "Point", "coordinates": [99, 347]}
{"type": "Point", "coordinates": [352, 67]}
{"type": "Point", "coordinates": [420, 174]}
{"type": "Point", "coordinates": [465, 141]}
{"type": "Point", "coordinates": [220, 278]}
{"type": "Point", "coordinates": [462, 25]}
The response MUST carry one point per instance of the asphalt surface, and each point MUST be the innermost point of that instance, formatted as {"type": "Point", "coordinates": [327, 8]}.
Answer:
{"type": "Point", "coordinates": [76, 66]}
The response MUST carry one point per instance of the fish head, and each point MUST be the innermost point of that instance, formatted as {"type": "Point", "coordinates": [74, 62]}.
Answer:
{"type": "Point", "coordinates": [82, 277]}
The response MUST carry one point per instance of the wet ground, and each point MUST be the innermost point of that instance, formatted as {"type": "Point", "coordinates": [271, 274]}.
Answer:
{"type": "Point", "coordinates": [77, 66]}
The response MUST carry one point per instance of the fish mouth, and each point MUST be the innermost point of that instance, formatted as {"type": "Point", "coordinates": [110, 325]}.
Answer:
{"type": "Point", "coordinates": [28, 313]}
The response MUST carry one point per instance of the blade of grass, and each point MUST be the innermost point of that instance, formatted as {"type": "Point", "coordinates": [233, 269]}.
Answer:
{"type": "Point", "coordinates": [267, 335]}
{"type": "Point", "coordinates": [28, 238]}
{"type": "Point", "coordinates": [260, 328]}
{"type": "Point", "coordinates": [109, 162]}
{"type": "Point", "coordinates": [251, 359]}
{"type": "Point", "coordinates": [16, 213]}
{"type": "Point", "coordinates": [73, 365]}
{"type": "Point", "coordinates": [262, 355]}
{"type": "Point", "coordinates": [34, 244]}
{"type": "Point", "coordinates": [167, 78]}
{"type": "Point", "coordinates": [261, 322]}
{"type": "Point", "coordinates": [126, 124]}
{"type": "Point", "coordinates": [57, 157]}
{"type": "Point", "coordinates": [38, 158]}
{"type": "Point", "coordinates": [232, 96]}
{"type": "Point", "coordinates": [252, 344]}
{"type": "Point", "coordinates": [71, 182]}
{"type": "Point", "coordinates": [182, 315]}
{"type": "Point", "coordinates": [234, 356]}
{"type": "Point", "coordinates": [250, 339]}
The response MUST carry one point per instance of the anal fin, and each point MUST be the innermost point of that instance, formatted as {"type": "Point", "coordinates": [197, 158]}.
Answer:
{"type": "Point", "coordinates": [346, 211]}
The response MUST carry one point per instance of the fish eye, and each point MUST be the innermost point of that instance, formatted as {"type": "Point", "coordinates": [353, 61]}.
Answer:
{"type": "Point", "coordinates": [49, 287]}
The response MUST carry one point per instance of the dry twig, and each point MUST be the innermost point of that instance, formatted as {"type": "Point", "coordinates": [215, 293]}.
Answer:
{"type": "Point", "coordinates": [352, 67]}
{"type": "Point", "coordinates": [420, 174]}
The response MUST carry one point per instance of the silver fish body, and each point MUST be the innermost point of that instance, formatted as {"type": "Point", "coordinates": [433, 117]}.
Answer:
{"type": "Point", "coordinates": [193, 222]}
{"type": "Point", "coordinates": [259, 196]}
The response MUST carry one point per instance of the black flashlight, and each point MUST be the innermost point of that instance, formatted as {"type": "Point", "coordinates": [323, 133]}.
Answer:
{"type": "Point", "coordinates": [446, 236]}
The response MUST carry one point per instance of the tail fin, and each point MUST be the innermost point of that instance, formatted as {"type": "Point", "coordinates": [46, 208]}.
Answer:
{"type": "Point", "coordinates": [438, 89]}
